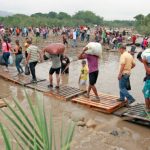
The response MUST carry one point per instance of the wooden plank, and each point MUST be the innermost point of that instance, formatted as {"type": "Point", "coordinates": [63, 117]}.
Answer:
{"type": "Point", "coordinates": [76, 94]}
{"type": "Point", "coordinates": [136, 117]}
{"type": "Point", "coordinates": [137, 114]}
{"type": "Point", "coordinates": [120, 111]}
{"type": "Point", "coordinates": [2, 103]}
{"type": "Point", "coordinates": [65, 92]}
{"type": "Point", "coordinates": [107, 103]}
{"type": "Point", "coordinates": [38, 80]}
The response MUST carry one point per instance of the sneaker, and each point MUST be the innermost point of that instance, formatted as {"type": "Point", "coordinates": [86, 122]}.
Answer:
{"type": "Point", "coordinates": [33, 81]}
{"type": "Point", "coordinates": [120, 100]}
{"type": "Point", "coordinates": [131, 101]}
{"type": "Point", "coordinates": [50, 86]}
{"type": "Point", "coordinates": [86, 95]}
{"type": "Point", "coordinates": [96, 99]}
{"type": "Point", "coordinates": [57, 87]}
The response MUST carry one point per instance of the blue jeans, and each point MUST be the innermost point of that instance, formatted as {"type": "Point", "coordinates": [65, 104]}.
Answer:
{"type": "Point", "coordinates": [6, 57]}
{"type": "Point", "coordinates": [32, 69]}
{"type": "Point", "coordinates": [18, 60]}
{"type": "Point", "coordinates": [74, 44]}
{"type": "Point", "coordinates": [123, 90]}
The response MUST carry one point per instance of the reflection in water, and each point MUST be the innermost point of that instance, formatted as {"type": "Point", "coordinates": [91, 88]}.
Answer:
{"type": "Point", "coordinates": [64, 79]}
{"type": "Point", "coordinates": [4, 89]}
{"type": "Point", "coordinates": [83, 87]}
{"type": "Point", "coordinates": [20, 94]}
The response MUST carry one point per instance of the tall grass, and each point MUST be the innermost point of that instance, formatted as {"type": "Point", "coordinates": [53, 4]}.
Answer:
{"type": "Point", "coordinates": [36, 132]}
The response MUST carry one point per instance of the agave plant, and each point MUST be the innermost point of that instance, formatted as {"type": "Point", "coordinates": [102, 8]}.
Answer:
{"type": "Point", "coordinates": [35, 133]}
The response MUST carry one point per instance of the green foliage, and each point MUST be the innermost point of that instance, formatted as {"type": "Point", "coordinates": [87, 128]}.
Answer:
{"type": "Point", "coordinates": [52, 19]}
{"type": "Point", "coordinates": [63, 19]}
{"type": "Point", "coordinates": [36, 132]}
{"type": "Point", "coordinates": [63, 15]}
{"type": "Point", "coordinates": [119, 23]}
{"type": "Point", "coordinates": [143, 24]}
{"type": "Point", "coordinates": [88, 17]}
{"type": "Point", "coordinates": [52, 14]}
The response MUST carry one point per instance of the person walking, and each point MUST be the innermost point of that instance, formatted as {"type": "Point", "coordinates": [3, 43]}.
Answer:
{"type": "Point", "coordinates": [93, 71]}
{"type": "Point", "coordinates": [32, 58]}
{"type": "Point", "coordinates": [126, 64]}
{"type": "Point", "coordinates": [6, 48]}
{"type": "Point", "coordinates": [74, 44]}
{"type": "Point", "coordinates": [19, 56]}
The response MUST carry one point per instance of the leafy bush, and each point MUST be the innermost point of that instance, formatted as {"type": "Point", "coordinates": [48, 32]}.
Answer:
{"type": "Point", "coordinates": [36, 133]}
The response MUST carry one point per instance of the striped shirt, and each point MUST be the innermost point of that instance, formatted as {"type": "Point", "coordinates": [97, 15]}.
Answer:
{"type": "Point", "coordinates": [34, 52]}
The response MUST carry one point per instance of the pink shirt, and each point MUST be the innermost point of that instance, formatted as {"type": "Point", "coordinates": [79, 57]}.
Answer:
{"type": "Point", "coordinates": [92, 62]}
{"type": "Point", "coordinates": [4, 47]}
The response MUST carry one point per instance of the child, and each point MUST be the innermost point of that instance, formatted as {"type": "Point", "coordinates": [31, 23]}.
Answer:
{"type": "Point", "coordinates": [84, 73]}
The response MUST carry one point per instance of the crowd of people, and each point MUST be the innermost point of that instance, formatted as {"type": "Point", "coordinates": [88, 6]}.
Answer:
{"type": "Point", "coordinates": [60, 63]}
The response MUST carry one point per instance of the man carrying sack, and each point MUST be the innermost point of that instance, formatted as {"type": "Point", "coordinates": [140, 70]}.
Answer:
{"type": "Point", "coordinates": [92, 52]}
{"type": "Point", "coordinates": [54, 51]}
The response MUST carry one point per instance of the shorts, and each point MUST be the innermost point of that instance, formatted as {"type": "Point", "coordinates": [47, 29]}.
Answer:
{"type": "Point", "coordinates": [82, 82]}
{"type": "Point", "coordinates": [93, 77]}
{"type": "Point", "coordinates": [52, 70]}
{"type": "Point", "coordinates": [65, 42]}
{"type": "Point", "coordinates": [146, 89]}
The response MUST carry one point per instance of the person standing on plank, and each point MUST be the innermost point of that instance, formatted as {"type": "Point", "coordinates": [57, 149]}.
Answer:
{"type": "Point", "coordinates": [93, 72]}
{"type": "Point", "coordinates": [32, 58]}
{"type": "Point", "coordinates": [55, 68]}
{"type": "Point", "coordinates": [126, 64]}
{"type": "Point", "coordinates": [54, 51]}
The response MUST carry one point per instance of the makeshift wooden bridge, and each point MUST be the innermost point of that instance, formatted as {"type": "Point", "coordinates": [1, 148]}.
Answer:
{"type": "Point", "coordinates": [108, 103]}
{"type": "Point", "coordinates": [12, 76]}
{"type": "Point", "coordinates": [65, 92]}
{"type": "Point", "coordinates": [138, 114]}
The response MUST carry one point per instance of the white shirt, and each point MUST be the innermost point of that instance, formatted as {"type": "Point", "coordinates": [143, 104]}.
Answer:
{"type": "Point", "coordinates": [74, 35]}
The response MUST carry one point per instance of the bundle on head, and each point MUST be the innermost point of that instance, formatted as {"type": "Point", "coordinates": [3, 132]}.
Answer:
{"type": "Point", "coordinates": [55, 48]}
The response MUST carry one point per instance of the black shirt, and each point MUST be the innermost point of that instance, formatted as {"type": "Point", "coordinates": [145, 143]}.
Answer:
{"type": "Point", "coordinates": [64, 62]}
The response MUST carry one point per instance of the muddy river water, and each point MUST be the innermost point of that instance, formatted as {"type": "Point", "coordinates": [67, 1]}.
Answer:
{"type": "Point", "coordinates": [130, 136]}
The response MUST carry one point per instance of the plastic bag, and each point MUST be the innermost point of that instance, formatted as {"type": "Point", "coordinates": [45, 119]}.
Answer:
{"type": "Point", "coordinates": [10, 60]}
{"type": "Point", "coordinates": [94, 48]}
{"type": "Point", "coordinates": [2, 61]}
{"type": "Point", "coordinates": [146, 55]}
{"type": "Point", "coordinates": [27, 70]}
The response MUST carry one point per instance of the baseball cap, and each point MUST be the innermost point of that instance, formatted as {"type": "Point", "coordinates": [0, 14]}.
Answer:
{"type": "Point", "coordinates": [133, 48]}
{"type": "Point", "coordinates": [123, 46]}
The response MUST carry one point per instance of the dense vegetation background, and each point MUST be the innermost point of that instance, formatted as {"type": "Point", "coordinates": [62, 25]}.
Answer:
{"type": "Point", "coordinates": [141, 23]}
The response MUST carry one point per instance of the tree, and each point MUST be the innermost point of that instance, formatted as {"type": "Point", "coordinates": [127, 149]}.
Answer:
{"type": "Point", "coordinates": [52, 14]}
{"type": "Point", "coordinates": [63, 15]}
{"type": "Point", "coordinates": [88, 17]}
{"type": "Point", "coordinates": [143, 24]}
